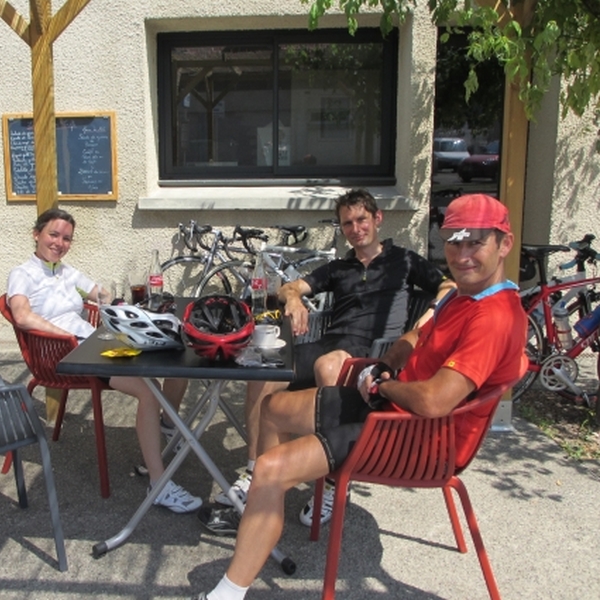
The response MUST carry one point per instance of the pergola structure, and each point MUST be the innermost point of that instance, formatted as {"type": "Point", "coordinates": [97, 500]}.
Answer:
{"type": "Point", "coordinates": [39, 34]}
{"type": "Point", "coordinates": [43, 28]}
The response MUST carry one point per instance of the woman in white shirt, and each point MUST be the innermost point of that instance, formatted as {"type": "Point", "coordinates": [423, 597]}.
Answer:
{"type": "Point", "coordinates": [46, 294]}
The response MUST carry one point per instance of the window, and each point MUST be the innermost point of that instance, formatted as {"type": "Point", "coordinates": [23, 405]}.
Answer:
{"type": "Point", "coordinates": [331, 96]}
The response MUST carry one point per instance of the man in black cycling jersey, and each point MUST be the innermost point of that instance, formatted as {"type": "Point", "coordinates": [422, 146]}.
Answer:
{"type": "Point", "coordinates": [371, 288]}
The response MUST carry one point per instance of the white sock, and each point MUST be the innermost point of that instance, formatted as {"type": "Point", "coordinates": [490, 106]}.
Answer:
{"type": "Point", "coordinates": [250, 466]}
{"type": "Point", "coordinates": [227, 590]}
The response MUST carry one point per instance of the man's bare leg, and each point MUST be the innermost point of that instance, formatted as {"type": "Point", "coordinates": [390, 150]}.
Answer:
{"type": "Point", "coordinates": [328, 367]}
{"type": "Point", "coordinates": [278, 468]}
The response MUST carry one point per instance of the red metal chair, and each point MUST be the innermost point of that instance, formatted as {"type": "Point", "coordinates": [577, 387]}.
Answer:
{"type": "Point", "coordinates": [400, 449]}
{"type": "Point", "coordinates": [42, 352]}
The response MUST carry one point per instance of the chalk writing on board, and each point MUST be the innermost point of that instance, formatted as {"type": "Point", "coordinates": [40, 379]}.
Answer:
{"type": "Point", "coordinates": [22, 161]}
{"type": "Point", "coordinates": [84, 148]}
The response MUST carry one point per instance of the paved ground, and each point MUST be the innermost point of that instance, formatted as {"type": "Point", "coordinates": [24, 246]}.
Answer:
{"type": "Point", "coordinates": [537, 509]}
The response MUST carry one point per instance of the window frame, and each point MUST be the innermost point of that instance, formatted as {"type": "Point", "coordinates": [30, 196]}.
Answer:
{"type": "Point", "coordinates": [381, 174]}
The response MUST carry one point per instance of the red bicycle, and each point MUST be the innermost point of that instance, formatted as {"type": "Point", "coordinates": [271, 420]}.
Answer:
{"type": "Point", "coordinates": [554, 351]}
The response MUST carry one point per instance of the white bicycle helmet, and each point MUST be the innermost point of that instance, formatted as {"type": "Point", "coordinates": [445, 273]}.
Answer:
{"type": "Point", "coordinates": [142, 329]}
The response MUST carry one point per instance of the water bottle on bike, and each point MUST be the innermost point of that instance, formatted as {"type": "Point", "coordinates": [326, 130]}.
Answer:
{"type": "Point", "coordinates": [563, 328]}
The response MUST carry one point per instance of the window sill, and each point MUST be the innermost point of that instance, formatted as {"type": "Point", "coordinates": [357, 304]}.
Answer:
{"type": "Point", "coordinates": [264, 198]}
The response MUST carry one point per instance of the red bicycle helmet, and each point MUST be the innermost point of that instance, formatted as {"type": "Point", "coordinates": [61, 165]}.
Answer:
{"type": "Point", "coordinates": [217, 327]}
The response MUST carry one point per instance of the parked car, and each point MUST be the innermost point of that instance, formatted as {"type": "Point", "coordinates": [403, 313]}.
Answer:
{"type": "Point", "coordinates": [484, 165]}
{"type": "Point", "coordinates": [448, 153]}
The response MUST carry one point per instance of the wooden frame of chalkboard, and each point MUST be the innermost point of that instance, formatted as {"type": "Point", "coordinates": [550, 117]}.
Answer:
{"type": "Point", "coordinates": [86, 156]}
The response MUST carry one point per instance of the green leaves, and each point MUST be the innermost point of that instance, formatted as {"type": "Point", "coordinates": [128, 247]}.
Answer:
{"type": "Point", "coordinates": [561, 38]}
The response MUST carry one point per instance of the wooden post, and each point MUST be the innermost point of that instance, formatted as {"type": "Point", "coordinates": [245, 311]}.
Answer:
{"type": "Point", "coordinates": [44, 128]}
{"type": "Point", "coordinates": [512, 177]}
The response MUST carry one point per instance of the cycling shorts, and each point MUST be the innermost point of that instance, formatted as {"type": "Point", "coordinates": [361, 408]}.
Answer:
{"type": "Point", "coordinates": [340, 413]}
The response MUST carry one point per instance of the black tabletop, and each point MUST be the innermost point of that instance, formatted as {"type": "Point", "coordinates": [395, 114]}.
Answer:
{"type": "Point", "coordinates": [86, 359]}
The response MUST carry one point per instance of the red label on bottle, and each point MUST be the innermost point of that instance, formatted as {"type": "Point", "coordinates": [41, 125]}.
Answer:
{"type": "Point", "coordinates": [155, 280]}
{"type": "Point", "coordinates": [259, 284]}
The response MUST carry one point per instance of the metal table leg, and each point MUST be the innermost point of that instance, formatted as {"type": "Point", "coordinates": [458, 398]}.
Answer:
{"type": "Point", "coordinates": [212, 397]}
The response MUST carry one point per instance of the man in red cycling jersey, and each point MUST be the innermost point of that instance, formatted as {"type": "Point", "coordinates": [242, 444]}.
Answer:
{"type": "Point", "coordinates": [474, 342]}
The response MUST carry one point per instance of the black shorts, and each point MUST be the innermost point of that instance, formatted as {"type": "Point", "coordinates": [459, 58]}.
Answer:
{"type": "Point", "coordinates": [305, 356]}
{"type": "Point", "coordinates": [339, 416]}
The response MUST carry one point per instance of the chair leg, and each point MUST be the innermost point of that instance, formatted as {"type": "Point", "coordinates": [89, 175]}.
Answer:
{"type": "Point", "coordinates": [484, 561]}
{"type": "Point", "coordinates": [19, 479]}
{"type": "Point", "coordinates": [335, 537]}
{"type": "Point", "coordinates": [315, 528]}
{"type": "Point", "coordinates": [60, 415]}
{"type": "Point", "coordinates": [59, 540]}
{"type": "Point", "coordinates": [456, 528]}
{"type": "Point", "coordinates": [100, 442]}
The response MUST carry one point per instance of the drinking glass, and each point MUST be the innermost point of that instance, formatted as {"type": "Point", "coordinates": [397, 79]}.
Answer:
{"type": "Point", "coordinates": [104, 298]}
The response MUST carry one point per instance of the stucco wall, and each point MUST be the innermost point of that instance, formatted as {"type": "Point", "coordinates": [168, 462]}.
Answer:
{"type": "Point", "coordinates": [562, 197]}
{"type": "Point", "coordinates": [106, 60]}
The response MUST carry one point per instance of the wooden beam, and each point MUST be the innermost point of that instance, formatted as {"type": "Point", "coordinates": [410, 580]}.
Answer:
{"type": "Point", "coordinates": [513, 161]}
{"type": "Point", "coordinates": [64, 17]}
{"type": "Point", "coordinates": [44, 131]}
{"type": "Point", "coordinates": [14, 20]}
{"type": "Point", "coordinates": [37, 10]}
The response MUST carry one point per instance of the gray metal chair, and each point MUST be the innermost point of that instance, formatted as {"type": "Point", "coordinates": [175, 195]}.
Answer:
{"type": "Point", "coordinates": [318, 322]}
{"type": "Point", "coordinates": [20, 426]}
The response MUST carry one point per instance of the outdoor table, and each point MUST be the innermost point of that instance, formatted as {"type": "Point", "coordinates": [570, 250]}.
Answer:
{"type": "Point", "coordinates": [86, 360]}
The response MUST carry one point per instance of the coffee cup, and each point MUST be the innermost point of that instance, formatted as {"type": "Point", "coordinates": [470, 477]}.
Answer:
{"type": "Point", "coordinates": [265, 335]}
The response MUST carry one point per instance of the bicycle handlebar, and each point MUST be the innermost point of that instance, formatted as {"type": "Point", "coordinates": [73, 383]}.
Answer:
{"type": "Point", "coordinates": [246, 234]}
{"type": "Point", "coordinates": [192, 235]}
{"type": "Point", "coordinates": [584, 253]}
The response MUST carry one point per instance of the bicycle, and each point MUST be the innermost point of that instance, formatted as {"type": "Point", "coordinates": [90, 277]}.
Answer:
{"type": "Point", "coordinates": [550, 359]}
{"type": "Point", "coordinates": [234, 277]}
{"type": "Point", "coordinates": [209, 246]}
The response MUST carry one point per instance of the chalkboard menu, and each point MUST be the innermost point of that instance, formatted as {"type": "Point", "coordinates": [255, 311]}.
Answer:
{"type": "Point", "coordinates": [86, 157]}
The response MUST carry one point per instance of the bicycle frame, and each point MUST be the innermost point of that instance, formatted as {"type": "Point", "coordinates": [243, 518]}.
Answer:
{"type": "Point", "coordinates": [544, 298]}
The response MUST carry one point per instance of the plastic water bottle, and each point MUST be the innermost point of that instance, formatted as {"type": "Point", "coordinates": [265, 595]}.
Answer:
{"type": "Point", "coordinates": [563, 328]}
{"type": "Point", "coordinates": [155, 281]}
{"type": "Point", "coordinates": [259, 287]}
{"type": "Point", "coordinates": [589, 323]}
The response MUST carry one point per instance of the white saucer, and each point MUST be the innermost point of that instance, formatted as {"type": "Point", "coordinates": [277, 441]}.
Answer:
{"type": "Point", "coordinates": [278, 344]}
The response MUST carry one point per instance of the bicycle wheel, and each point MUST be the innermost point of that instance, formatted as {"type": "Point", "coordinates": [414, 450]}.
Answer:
{"type": "Point", "coordinates": [231, 278]}
{"type": "Point", "coordinates": [534, 350]}
{"type": "Point", "coordinates": [182, 274]}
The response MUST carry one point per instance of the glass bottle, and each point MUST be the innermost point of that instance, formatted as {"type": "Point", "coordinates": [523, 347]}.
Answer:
{"type": "Point", "coordinates": [259, 287]}
{"type": "Point", "coordinates": [155, 281]}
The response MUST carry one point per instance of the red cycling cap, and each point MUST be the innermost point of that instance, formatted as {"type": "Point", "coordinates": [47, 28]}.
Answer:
{"type": "Point", "coordinates": [472, 216]}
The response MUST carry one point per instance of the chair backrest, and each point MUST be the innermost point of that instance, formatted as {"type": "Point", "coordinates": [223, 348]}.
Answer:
{"type": "Point", "coordinates": [400, 448]}
{"type": "Point", "coordinates": [19, 425]}
{"type": "Point", "coordinates": [317, 325]}
{"type": "Point", "coordinates": [42, 352]}
{"type": "Point", "coordinates": [7, 314]}
{"type": "Point", "coordinates": [419, 302]}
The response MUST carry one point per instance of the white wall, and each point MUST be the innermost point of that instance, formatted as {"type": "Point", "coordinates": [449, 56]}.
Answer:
{"type": "Point", "coordinates": [562, 196]}
{"type": "Point", "coordinates": [106, 60]}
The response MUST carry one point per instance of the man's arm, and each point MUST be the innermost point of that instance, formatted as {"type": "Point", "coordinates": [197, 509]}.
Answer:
{"type": "Point", "coordinates": [290, 294]}
{"type": "Point", "coordinates": [432, 398]}
{"type": "Point", "coordinates": [402, 348]}
{"type": "Point", "coordinates": [444, 288]}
